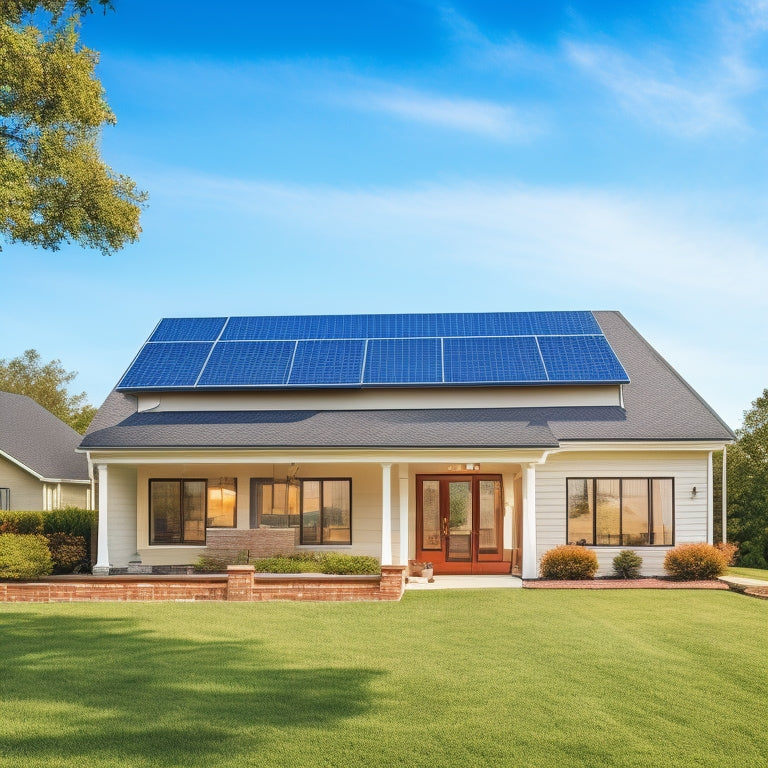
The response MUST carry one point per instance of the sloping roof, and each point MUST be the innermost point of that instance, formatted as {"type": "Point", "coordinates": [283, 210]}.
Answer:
{"type": "Point", "coordinates": [658, 405]}
{"type": "Point", "coordinates": [39, 441]}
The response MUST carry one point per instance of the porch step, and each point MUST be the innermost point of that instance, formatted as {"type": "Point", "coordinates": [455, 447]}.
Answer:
{"type": "Point", "coordinates": [504, 581]}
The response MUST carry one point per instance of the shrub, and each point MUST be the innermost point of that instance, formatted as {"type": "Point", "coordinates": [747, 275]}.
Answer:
{"type": "Point", "coordinates": [729, 549]}
{"type": "Point", "coordinates": [301, 562]}
{"type": "Point", "coordinates": [569, 561]}
{"type": "Point", "coordinates": [21, 522]}
{"type": "Point", "coordinates": [24, 556]}
{"type": "Point", "coordinates": [627, 564]}
{"type": "Point", "coordinates": [689, 562]}
{"type": "Point", "coordinates": [362, 565]}
{"type": "Point", "coordinates": [209, 564]}
{"type": "Point", "coordinates": [67, 551]}
{"type": "Point", "coordinates": [72, 520]}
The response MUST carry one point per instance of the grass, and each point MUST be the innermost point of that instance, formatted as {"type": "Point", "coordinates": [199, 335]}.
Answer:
{"type": "Point", "coordinates": [749, 573]}
{"type": "Point", "coordinates": [466, 678]}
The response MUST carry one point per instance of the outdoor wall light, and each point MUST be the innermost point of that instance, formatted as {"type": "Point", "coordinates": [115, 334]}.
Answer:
{"type": "Point", "coordinates": [693, 492]}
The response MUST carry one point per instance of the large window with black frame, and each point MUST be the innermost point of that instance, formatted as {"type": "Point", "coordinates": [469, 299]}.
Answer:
{"type": "Point", "coordinates": [621, 512]}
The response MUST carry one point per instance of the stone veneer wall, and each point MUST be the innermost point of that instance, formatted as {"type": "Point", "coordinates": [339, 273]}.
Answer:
{"type": "Point", "coordinates": [227, 543]}
{"type": "Point", "coordinates": [240, 584]}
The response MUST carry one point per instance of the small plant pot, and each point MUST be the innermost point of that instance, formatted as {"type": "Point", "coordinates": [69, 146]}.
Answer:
{"type": "Point", "coordinates": [428, 574]}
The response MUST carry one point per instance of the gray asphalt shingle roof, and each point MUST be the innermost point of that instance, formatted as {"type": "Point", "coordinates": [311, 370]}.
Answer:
{"type": "Point", "coordinates": [658, 405]}
{"type": "Point", "coordinates": [35, 438]}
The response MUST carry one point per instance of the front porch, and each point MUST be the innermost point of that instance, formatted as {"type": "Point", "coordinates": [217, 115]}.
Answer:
{"type": "Point", "coordinates": [465, 514]}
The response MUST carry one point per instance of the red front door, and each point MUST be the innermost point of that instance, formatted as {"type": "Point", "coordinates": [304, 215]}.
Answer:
{"type": "Point", "coordinates": [459, 523]}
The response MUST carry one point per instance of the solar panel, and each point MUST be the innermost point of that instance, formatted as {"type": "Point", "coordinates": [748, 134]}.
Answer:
{"type": "Point", "coordinates": [403, 361]}
{"type": "Point", "coordinates": [188, 329]}
{"type": "Point", "coordinates": [248, 363]}
{"type": "Point", "coordinates": [580, 358]}
{"type": "Point", "coordinates": [335, 361]}
{"type": "Point", "coordinates": [492, 360]}
{"type": "Point", "coordinates": [170, 364]}
{"type": "Point", "coordinates": [375, 350]}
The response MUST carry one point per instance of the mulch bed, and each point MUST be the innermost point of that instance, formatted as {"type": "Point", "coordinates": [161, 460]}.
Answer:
{"type": "Point", "coordinates": [623, 584]}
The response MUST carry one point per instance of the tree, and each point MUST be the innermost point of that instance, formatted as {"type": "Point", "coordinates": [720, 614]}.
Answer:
{"type": "Point", "coordinates": [54, 187]}
{"type": "Point", "coordinates": [748, 486]}
{"type": "Point", "coordinates": [47, 385]}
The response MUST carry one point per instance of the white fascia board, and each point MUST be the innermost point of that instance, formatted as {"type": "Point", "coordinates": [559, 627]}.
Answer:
{"type": "Point", "coordinates": [303, 456]}
{"type": "Point", "coordinates": [641, 445]}
{"type": "Point", "coordinates": [40, 477]}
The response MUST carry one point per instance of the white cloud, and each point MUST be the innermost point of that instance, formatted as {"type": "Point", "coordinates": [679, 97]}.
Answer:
{"type": "Point", "coordinates": [652, 91]}
{"type": "Point", "coordinates": [484, 118]}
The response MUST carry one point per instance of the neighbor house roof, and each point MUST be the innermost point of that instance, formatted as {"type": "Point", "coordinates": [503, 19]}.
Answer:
{"type": "Point", "coordinates": [41, 443]}
{"type": "Point", "coordinates": [658, 406]}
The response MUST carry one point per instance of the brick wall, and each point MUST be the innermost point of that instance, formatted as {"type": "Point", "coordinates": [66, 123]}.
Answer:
{"type": "Point", "coordinates": [240, 584]}
{"type": "Point", "coordinates": [227, 543]}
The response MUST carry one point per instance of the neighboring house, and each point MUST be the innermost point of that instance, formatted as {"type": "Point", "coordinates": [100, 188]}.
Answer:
{"type": "Point", "coordinates": [40, 468]}
{"type": "Point", "coordinates": [474, 441]}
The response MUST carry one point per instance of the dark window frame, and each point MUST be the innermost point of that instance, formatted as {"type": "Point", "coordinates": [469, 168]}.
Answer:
{"type": "Point", "coordinates": [255, 512]}
{"type": "Point", "coordinates": [180, 481]}
{"type": "Point", "coordinates": [592, 490]}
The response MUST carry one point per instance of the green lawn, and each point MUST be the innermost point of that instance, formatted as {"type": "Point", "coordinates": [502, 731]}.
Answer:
{"type": "Point", "coordinates": [749, 573]}
{"type": "Point", "coordinates": [527, 678]}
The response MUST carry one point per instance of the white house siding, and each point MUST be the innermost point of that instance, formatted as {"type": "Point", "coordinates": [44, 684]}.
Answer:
{"type": "Point", "coordinates": [366, 503]}
{"type": "Point", "coordinates": [76, 495]}
{"type": "Point", "coordinates": [26, 490]}
{"type": "Point", "coordinates": [688, 468]}
{"type": "Point", "coordinates": [121, 503]}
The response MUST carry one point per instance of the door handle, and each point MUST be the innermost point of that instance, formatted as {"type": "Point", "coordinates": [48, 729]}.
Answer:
{"type": "Point", "coordinates": [446, 527]}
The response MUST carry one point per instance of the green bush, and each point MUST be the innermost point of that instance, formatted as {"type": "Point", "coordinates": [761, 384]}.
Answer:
{"type": "Point", "coordinates": [67, 551]}
{"type": "Point", "coordinates": [333, 563]}
{"type": "Point", "coordinates": [339, 564]}
{"type": "Point", "coordinates": [72, 520]}
{"type": "Point", "coordinates": [207, 564]}
{"type": "Point", "coordinates": [569, 561]}
{"type": "Point", "coordinates": [690, 562]}
{"type": "Point", "coordinates": [301, 562]}
{"type": "Point", "coordinates": [627, 564]}
{"type": "Point", "coordinates": [21, 522]}
{"type": "Point", "coordinates": [24, 556]}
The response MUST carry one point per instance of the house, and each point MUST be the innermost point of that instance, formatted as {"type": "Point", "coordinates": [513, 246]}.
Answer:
{"type": "Point", "coordinates": [40, 468]}
{"type": "Point", "coordinates": [473, 441]}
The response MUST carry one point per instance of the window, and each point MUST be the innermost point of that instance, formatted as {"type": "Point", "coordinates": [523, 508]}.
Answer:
{"type": "Point", "coordinates": [5, 498]}
{"type": "Point", "coordinates": [222, 503]}
{"type": "Point", "coordinates": [621, 512]}
{"type": "Point", "coordinates": [177, 511]}
{"type": "Point", "coordinates": [321, 509]}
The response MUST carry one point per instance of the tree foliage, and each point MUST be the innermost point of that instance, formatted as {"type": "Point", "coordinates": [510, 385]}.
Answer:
{"type": "Point", "coordinates": [747, 480]}
{"type": "Point", "coordinates": [46, 384]}
{"type": "Point", "coordinates": [54, 187]}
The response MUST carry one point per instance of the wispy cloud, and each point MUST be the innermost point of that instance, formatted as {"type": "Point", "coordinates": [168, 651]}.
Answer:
{"type": "Point", "coordinates": [653, 91]}
{"type": "Point", "coordinates": [484, 118]}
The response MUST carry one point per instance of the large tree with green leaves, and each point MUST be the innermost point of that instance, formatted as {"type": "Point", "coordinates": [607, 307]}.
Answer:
{"type": "Point", "coordinates": [54, 187]}
{"type": "Point", "coordinates": [46, 383]}
{"type": "Point", "coordinates": [748, 486]}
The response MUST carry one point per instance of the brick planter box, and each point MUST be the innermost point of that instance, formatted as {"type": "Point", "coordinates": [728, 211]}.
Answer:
{"type": "Point", "coordinates": [239, 584]}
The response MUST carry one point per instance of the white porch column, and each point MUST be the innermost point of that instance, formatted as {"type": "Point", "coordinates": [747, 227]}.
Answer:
{"type": "Point", "coordinates": [710, 500]}
{"type": "Point", "coordinates": [529, 568]}
{"type": "Point", "coordinates": [102, 558]}
{"type": "Point", "coordinates": [386, 514]}
{"type": "Point", "coordinates": [405, 526]}
{"type": "Point", "coordinates": [725, 496]}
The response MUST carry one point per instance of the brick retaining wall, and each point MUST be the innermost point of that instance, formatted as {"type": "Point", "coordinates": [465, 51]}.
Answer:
{"type": "Point", "coordinates": [240, 584]}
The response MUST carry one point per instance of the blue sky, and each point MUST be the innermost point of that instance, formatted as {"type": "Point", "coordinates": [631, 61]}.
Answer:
{"type": "Point", "coordinates": [381, 156]}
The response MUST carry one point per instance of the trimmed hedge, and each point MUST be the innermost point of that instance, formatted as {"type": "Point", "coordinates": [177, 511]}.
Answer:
{"type": "Point", "coordinates": [692, 562]}
{"type": "Point", "coordinates": [332, 563]}
{"type": "Point", "coordinates": [24, 556]}
{"type": "Point", "coordinates": [67, 552]}
{"type": "Point", "coordinates": [569, 561]}
{"type": "Point", "coordinates": [71, 520]}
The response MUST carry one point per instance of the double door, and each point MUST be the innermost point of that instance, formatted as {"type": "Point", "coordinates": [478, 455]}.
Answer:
{"type": "Point", "coordinates": [459, 523]}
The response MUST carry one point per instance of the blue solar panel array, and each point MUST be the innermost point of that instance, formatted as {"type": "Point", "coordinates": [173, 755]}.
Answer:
{"type": "Point", "coordinates": [374, 351]}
